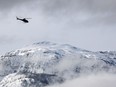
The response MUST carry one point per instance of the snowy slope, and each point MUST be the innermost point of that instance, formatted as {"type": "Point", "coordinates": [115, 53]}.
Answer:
{"type": "Point", "coordinates": [45, 63]}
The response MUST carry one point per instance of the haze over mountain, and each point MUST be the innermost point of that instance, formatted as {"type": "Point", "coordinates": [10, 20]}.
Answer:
{"type": "Point", "coordinates": [47, 64]}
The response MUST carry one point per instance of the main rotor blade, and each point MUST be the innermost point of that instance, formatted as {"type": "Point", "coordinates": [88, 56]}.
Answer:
{"type": "Point", "coordinates": [28, 18]}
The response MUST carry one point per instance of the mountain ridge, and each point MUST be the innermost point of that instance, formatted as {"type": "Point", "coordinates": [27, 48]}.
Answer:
{"type": "Point", "coordinates": [52, 63]}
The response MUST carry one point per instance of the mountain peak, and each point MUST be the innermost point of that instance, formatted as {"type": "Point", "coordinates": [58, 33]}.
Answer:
{"type": "Point", "coordinates": [36, 64]}
{"type": "Point", "coordinates": [44, 43]}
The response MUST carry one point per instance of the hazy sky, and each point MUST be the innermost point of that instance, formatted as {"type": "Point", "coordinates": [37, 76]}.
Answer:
{"type": "Point", "coordinates": [87, 24]}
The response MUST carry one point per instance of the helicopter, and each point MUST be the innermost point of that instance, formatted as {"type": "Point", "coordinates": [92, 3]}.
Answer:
{"type": "Point", "coordinates": [23, 19]}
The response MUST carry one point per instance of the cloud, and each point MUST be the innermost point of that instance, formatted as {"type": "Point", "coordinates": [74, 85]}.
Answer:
{"type": "Point", "coordinates": [88, 23]}
{"type": "Point", "coordinates": [100, 11]}
{"type": "Point", "coordinates": [9, 4]}
{"type": "Point", "coordinates": [51, 6]}
{"type": "Point", "coordinates": [92, 6]}
{"type": "Point", "coordinates": [86, 12]}
{"type": "Point", "coordinates": [99, 80]}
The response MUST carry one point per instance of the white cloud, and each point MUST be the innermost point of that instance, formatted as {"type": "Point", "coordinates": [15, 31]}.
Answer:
{"type": "Point", "coordinates": [99, 80]}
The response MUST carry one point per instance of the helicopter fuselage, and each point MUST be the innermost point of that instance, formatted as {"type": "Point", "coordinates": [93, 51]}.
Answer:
{"type": "Point", "coordinates": [24, 20]}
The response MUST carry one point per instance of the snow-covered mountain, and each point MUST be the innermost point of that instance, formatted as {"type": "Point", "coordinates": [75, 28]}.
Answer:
{"type": "Point", "coordinates": [46, 63]}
